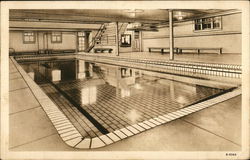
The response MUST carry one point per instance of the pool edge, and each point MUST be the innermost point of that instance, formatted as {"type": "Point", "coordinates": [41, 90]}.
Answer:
{"type": "Point", "coordinates": [73, 138]}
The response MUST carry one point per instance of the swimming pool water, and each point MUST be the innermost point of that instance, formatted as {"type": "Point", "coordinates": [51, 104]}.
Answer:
{"type": "Point", "coordinates": [100, 98]}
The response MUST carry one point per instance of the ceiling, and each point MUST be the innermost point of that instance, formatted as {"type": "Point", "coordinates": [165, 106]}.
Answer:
{"type": "Point", "coordinates": [104, 15]}
{"type": "Point", "coordinates": [150, 19]}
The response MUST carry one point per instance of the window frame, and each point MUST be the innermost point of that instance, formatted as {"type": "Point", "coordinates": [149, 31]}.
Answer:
{"type": "Point", "coordinates": [29, 42]}
{"type": "Point", "coordinates": [127, 40]}
{"type": "Point", "coordinates": [206, 21]}
{"type": "Point", "coordinates": [78, 38]}
{"type": "Point", "coordinates": [56, 35]}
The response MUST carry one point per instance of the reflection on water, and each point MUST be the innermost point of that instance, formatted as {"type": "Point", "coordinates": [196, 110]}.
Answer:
{"type": "Point", "coordinates": [88, 95]}
{"type": "Point", "coordinates": [182, 100]}
{"type": "Point", "coordinates": [138, 94]}
{"type": "Point", "coordinates": [138, 86]}
{"type": "Point", "coordinates": [133, 115]}
{"type": "Point", "coordinates": [125, 92]}
{"type": "Point", "coordinates": [55, 75]}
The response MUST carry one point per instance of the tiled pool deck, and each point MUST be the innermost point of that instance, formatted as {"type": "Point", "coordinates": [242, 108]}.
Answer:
{"type": "Point", "coordinates": [72, 136]}
{"type": "Point", "coordinates": [191, 57]}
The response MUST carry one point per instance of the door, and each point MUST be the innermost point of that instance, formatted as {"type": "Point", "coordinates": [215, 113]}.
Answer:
{"type": "Point", "coordinates": [40, 40]}
{"type": "Point", "coordinates": [136, 46]}
{"type": "Point", "coordinates": [45, 41]}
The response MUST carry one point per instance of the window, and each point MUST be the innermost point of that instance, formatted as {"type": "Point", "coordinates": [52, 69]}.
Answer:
{"type": "Point", "coordinates": [217, 22]}
{"type": "Point", "coordinates": [29, 37]}
{"type": "Point", "coordinates": [207, 23]}
{"type": "Point", "coordinates": [125, 40]}
{"type": "Point", "coordinates": [81, 45]}
{"type": "Point", "coordinates": [56, 37]}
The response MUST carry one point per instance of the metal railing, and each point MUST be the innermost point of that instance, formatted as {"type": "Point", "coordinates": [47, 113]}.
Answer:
{"type": "Point", "coordinates": [95, 39]}
{"type": "Point", "coordinates": [110, 38]}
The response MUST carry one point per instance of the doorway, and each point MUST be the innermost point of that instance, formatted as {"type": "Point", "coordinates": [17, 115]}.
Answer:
{"type": "Point", "coordinates": [136, 46]}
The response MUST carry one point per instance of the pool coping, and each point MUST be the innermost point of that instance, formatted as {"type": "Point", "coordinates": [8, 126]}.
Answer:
{"type": "Point", "coordinates": [71, 136]}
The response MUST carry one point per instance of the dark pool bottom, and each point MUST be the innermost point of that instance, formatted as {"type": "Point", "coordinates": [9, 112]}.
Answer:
{"type": "Point", "coordinates": [99, 99]}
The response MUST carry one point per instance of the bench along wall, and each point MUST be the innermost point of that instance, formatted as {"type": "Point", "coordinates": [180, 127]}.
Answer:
{"type": "Point", "coordinates": [229, 37]}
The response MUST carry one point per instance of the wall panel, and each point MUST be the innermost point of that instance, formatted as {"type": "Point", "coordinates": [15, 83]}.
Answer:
{"type": "Point", "coordinates": [229, 37]}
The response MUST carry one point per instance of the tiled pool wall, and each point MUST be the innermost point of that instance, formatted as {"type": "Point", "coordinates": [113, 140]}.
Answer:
{"type": "Point", "coordinates": [196, 69]}
{"type": "Point", "coordinates": [75, 138]}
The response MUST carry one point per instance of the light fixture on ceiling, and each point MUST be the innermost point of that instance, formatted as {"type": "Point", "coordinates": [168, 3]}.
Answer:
{"type": "Point", "coordinates": [179, 15]}
{"type": "Point", "coordinates": [31, 19]}
{"type": "Point", "coordinates": [133, 12]}
{"type": "Point", "coordinates": [136, 24]}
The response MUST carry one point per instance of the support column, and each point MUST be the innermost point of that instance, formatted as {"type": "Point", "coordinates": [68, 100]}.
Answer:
{"type": "Point", "coordinates": [81, 69]}
{"type": "Point", "coordinates": [86, 40]}
{"type": "Point", "coordinates": [140, 40]}
{"type": "Point", "coordinates": [77, 47]}
{"type": "Point", "coordinates": [117, 38]}
{"type": "Point", "coordinates": [90, 70]}
{"type": "Point", "coordinates": [171, 35]}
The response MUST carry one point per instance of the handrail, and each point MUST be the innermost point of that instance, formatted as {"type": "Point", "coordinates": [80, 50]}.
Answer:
{"type": "Point", "coordinates": [120, 27]}
{"type": "Point", "coordinates": [97, 34]}
{"type": "Point", "coordinates": [106, 37]}
{"type": "Point", "coordinates": [100, 29]}
{"type": "Point", "coordinates": [120, 30]}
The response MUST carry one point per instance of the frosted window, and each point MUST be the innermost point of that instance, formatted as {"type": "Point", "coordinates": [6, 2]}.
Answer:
{"type": "Point", "coordinates": [56, 37]}
{"type": "Point", "coordinates": [81, 41]}
{"type": "Point", "coordinates": [207, 23]}
{"type": "Point", "coordinates": [28, 37]}
{"type": "Point", "coordinates": [125, 40]}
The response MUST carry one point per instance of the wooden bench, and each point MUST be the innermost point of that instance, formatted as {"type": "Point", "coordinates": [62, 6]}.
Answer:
{"type": "Point", "coordinates": [25, 53]}
{"type": "Point", "coordinates": [198, 50]}
{"type": "Point", "coordinates": [161, 49]}
{"type": "Point", "coordinates": [58, 51]}
{"type": "Point", "coordinates": [101, 50]}
{"type": "Point", "coordinates": [69, 51]}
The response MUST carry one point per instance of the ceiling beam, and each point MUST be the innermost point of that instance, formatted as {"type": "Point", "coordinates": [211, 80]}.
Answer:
{"type": "Point", "coordinates": [14, 25]}
{"type": "Point", "coordinates": [48, 29]}
{"type": "Point", "coordinates": [80, 17]}
{"type": "Point", "coordinates": [57, 21]}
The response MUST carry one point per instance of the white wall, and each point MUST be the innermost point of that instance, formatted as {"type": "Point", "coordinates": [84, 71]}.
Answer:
{"type": "Point", "coordinates": [229, 37]}
{"type": "Point", "coordinates": [68, 41]}
{"type": "Point", "coordinates": [16, 41]}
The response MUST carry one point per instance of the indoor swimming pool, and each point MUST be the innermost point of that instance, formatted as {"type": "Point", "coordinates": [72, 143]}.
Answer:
{"type": "Point", "coordinates": [101, 98]}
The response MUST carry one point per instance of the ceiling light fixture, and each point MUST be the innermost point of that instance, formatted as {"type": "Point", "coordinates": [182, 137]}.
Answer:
{"type": "Point", "coordinates": [31, 19]}
{"type": "Point", "coordinates": [133, 12]}
{"type": "Point", "coordinates": [179, 16]}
